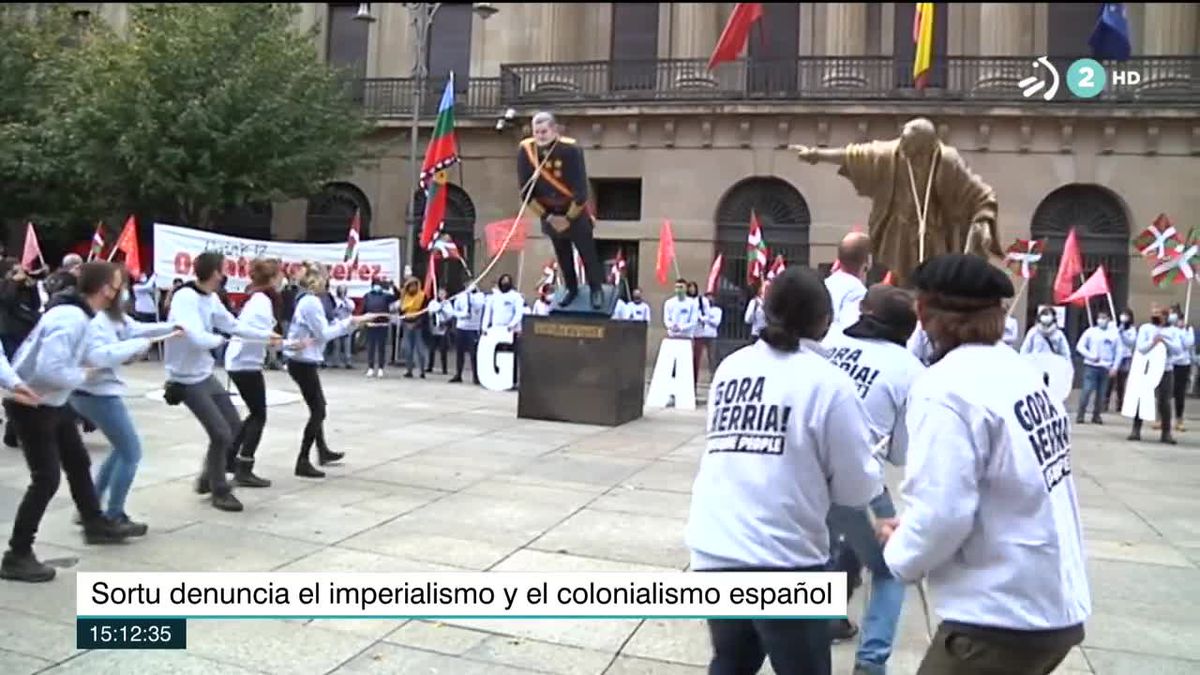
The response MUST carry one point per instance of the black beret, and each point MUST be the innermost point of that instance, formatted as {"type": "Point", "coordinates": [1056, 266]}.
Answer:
{"type": "Point", "coordinates": [963, 276]}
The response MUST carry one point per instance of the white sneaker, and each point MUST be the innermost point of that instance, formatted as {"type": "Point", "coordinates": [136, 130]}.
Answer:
{"type": "Point", "coordinates": [379, 374]}
{"type": "Point", "coordinates": [370, 372]}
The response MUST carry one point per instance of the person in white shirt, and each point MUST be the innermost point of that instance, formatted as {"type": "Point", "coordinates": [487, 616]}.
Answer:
{"type": "Point", "coordinates": [1181, 363]}
{"type": "Point", "coordinates": [468, 316]}
{"type": "Point", "coordinates": [699, 344]}
{"type": "Point", "coordinates": [340, 350]}
{"type": "Point", "coordinates": [681, 314]}
{"type": "Point", "coordinates": [755, 317]}
{"type": "Point", "coordinates": [506, 309]}
{"type": "Point", "coordinates": [1100, 349]}
{"type": "Point", "coordinates": [787, 437]}
{"type": "Point", "coordinates": [636, 309]}
{"type": "Point", "coordinates": [1127, 333]}
{"type": "Point", "coordinates": [545, 301]}
{"type": "Point", "coordinates": [618, 313]}
{"type": "Point", "coordinates": [706, 332]}
{"type": "Point", "coordinates": [992, 518]}
{"type": "Point", "coordinates": [1046, 336]}
{"type": "Point", "coordinates": [873, 353]}
{"type": "Point", "coordinates": [1012, 331]}
{"type": "Point", "coordinates": [189, 362]}
{"type": "Point", "coordinates": [846, 289]}
{"type": "Point", "coordinates": [441, 316]}
{"type": "Point", "coordinates": [920, 346]}
{"type": "Point", "coordinates": [1148, 336]}
{"type": "Point", "coordinates": [145, 306]}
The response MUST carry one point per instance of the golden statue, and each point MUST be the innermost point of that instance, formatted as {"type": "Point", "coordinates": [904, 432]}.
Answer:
{"type": "Point", "coordinates": [925, 200]}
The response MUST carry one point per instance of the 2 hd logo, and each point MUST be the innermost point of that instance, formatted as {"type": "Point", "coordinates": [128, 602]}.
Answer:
{"type": "Point", "coordinates": [1086, 78]}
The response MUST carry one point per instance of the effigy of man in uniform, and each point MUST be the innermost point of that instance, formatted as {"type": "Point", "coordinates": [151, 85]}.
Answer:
{"type": "Point", "coordinates": [925, 201]}
{"type": "Point", "coordinates": [559, 199]}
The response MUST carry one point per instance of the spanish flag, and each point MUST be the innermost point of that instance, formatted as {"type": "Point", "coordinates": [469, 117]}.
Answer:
{"type": "Point", "coordinates": [923, 39]}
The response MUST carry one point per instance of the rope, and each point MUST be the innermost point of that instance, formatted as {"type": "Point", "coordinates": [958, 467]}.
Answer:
{"type": "Point", "coordinates": [527, 189]}
{"type": "Point", "coordinates": [922, 207]}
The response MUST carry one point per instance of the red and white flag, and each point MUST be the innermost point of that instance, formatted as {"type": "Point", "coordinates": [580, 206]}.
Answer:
{"type": "Point", "coordinates": [757, 252]}
{"type": "Point", "coordinates": [444, 247]}
{"type": "Point", "coordinates": [778, 265]}
{"type": "Point", "coordinates": [736, 33]}
{"type": "Point", "coordinates": [714, 274]}
{"type": "Point", "coordinates": [618, 268]}
{"type": "Point", "coordinates": [32, 252]}
{"type": "Point", "coordinates": [1157, 239]}
{"type": "Point", "coordinates": [97, 243]}
{"type": "Point", "coordinates": [1023, 256]}
{"type": "Point", "coordinates": [352, 239]}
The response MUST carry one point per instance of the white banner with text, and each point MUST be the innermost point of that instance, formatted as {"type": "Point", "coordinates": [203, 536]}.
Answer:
{"type": "Point", "coordinates": [574, 595]}
{"type": "Point", "coordinates": [176, 247]}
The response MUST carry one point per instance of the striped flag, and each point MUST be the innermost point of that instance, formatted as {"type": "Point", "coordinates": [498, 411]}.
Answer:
{"type": "Point", "coordinates": [1156, 239]}
{"type": "Point", "coordinates": [1022, 257]}
{"type": "Point", "coordinates": [353, 238]}
{"type": "Point", "coordinates": [618, 268]}
{"type": "Point", "coordinates": [444, 247]}
{"type": "Point", "coordinates": [441, 154]}
{"type": "Point", "coordinates": [778, 265]}
{"type": "Point", "coordinates": [1180, 264]}
{"type": "Point", "coordinates": [714, 274]}
{"type": "Point", "coordinates": [923, 39]}
{"type": "Point", "coordinates": [97, 243]}
{"type": "Point", "coordinates": [549, 272]}
{"type": "Point", "coordinates": [756, 251]}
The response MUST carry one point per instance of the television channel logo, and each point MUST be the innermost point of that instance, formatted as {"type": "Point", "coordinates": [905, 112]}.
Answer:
{"type": "Point", "coordinates": [1086, 78]}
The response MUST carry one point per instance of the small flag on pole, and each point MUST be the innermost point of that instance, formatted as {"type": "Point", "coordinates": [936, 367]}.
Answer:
{"type": "Point", "coordinates": [1097, 284]}
{"type": "Point", "coordinates": [757, 252]}
{"type": "Point", "coordinates": [714, 274]}
{"type": "Point", "coordinates": [1022, 257]}
{"type": "Point", "coordinates": [1156, 239]}
{"type": "Point", "coordinates": [32, 251]}
{"type": "Point", "coordinates": [736, 33]}
{"type": "Point", "coordinates": [97, 242]}
{"type": "Point", "coordinates": [1069, 268]}
{"type": "Point", "coordinates": [1179, 266]}
{"type": "Point", "coordinates": [127, 243]}
{"type": "Point", "coordinates": [618, 268]}
{"type": "Point", "coordinates": [666, 252]}
{"type": "Point", "coordinates": [923, 39]}
{"type": "Point", "coordinates": [353, 237]}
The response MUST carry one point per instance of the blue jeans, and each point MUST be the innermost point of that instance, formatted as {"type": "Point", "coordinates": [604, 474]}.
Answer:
{"type": "Point", "coordinates": [1095, 381]}
{"type": "Point", "coordinates": [413, 347]}
{"type": "Point", "coordinates": [887, 593]}
{"type": "Point", "coordinates": [110, 415]}
{"type": "Point", "coordinates": [377, 338]}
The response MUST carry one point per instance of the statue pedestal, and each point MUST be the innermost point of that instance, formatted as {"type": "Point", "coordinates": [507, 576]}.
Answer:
{"type": "Point", "coordinates": [586, 369]}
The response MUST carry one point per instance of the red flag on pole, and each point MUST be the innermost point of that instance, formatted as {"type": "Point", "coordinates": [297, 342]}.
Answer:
{"type": "Point", "coordinates": [1070, 267]}
{"type": "Point", "coordinates": [498, 232]}
{"type": "Point", "coordinates": [127, 243]}
{"type": "Point", "coordinates": [714, 274]}
{"type": "Point", "coordinates": [737, 31]}
{"type": "Point", "coordinates": [1097, 284]}
{"type": "Point", "coordinates": [888, 279]}
{"type": "Point", "coordinates": [666, 252]}
{"type": "Point", "coordinates": [32, 252]}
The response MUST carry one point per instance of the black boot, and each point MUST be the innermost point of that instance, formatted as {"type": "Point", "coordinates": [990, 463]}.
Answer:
{"type": "Point", "coordinates": [327, 456]}
{"type": "Point", "coordinates": [203, 487]}
{"type": "Point", "coordinates": [243, 475]}
{"type": "Point", "coordinates": [101, 530]}
{"type": "Point", "coordinates": [136, 529]}
{"type": "Point", "coordinates": [225, 501]}
{"type": "Point", "coordinates": [597, 298]}
{"type": "Point", "coordinates": [304, 467]}
{"type": "Point", "coordinates": [569, 297]}
{"type": "Point", "coordinates": [24, 567]}
{"type": "Point", "coordinates": [1169, 439]}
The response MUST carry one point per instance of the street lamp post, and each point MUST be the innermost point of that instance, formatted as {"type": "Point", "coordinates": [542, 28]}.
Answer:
{"type": "Point", "coordinates": [421, 16]}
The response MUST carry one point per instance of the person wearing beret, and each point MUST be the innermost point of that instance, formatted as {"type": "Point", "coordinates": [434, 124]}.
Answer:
{"type": "Point", "coordinates": [992, 518]}
{"type": "Point", "coordinates": [559, 199]}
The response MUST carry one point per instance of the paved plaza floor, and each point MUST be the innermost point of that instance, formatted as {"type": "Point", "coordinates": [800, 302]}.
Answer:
{"type": "Point", "coordinates": [445, 477]}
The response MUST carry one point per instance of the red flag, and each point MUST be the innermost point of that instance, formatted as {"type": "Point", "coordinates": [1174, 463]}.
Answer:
{"type": "Point", "coordinates": [431, 276]}
{"type": "Point", "coordinates": [32, 252]}
{"type": "Point", "coordinates": [127, 243]}
{"type": "Point", "coordinates": [498, 232]}
{"type": "Point", "coordinates": [666, 252]}
{"type": "Point", "coordinates": [714, 274]}
{"type": "Point", "coordinates": [435, 209]}
{"type": "Point", "coordinates": [1097, 284]}
{"type": "Point", "coordinates": [888, 279]}
{"type": "Point", "coordinates": [618, 268]}
{"type": "Point", "coordinates": [1069, 268]}
{"type": "Point", "coordinates": [737, 30]}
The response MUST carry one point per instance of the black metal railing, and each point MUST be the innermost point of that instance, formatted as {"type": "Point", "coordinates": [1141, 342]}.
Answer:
{"type": "Point", "coordinates": [1162, 80]}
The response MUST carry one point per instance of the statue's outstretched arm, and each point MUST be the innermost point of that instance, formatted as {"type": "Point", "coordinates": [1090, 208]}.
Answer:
{"type": "Point", "coordinates": [813, 155]}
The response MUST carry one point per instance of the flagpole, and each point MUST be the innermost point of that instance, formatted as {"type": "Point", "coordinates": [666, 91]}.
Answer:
{"type": "Point", "coordinates": [521, 268]}
{"type": "Point", "coordinates": [1087, 303]}
{"type": "Point", "coordinates": [1187, 302]}
{"type": "Point", "coordinates": [1017, 298]}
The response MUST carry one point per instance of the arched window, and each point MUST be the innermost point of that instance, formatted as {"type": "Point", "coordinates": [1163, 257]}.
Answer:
{"type": "Point", "coordinates": [783, 215]}
{"type": "Point", "coordinates": [460, 225]}
{"type": "Point", "coordinates": [1101, 225]}
{"type": "Point", "coordinates": [330, 211]}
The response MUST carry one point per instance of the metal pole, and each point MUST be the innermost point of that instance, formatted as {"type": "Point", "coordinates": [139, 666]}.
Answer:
{"type": "Point", "coordinates": [422, 18]}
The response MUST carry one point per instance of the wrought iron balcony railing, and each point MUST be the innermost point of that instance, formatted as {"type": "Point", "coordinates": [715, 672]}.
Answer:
{"type": "Point", "coordinates": [1162, 80]}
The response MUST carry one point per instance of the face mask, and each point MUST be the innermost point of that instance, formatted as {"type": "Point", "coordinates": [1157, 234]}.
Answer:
{"type": "Point", "coordinates": [1156, 320]}
{"type": "Point", "coordinates": [1047, 320]}
{"type": "Point", "coordinates": [1102, 323]}
{"type": "Point", "coordinates": [377, 288]}
{"type": "Point", "coordinates": [1173, 318]}
{"type": "Point", "coordinates": [505, 287]}
{"type": "Point", "coordinates": [637, 298]}
{"type": "Point", "coordinates": [680, 293]}
{"type": "Point", "coordinates": [1125, 320]}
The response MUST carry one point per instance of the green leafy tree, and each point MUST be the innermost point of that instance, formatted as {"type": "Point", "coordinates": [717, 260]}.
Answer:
{"type": "Point", "coordinates": [199, 108]}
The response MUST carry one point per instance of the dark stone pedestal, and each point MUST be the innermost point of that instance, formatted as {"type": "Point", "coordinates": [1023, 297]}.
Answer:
{"type": "Point", "coordinates": [582, 304]}
{"type": "Point", "coordinates": [580, 368]}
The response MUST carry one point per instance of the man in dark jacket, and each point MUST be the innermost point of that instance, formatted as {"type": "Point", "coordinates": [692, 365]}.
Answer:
{"type": "Point", "coordinates": [378, 300]}
{"type": "Point", "coordinates": [65, 277]}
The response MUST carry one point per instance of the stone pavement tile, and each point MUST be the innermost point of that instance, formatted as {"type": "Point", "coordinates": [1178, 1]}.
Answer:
{"type": "Point", "coordinates": [494, 444]}
{"type": "Point", "coordinates": [273, 646]}
{"type": "Point", "coordinates": [619, 536]}
{"type": "Point", "coordinates": [433, 477]}
{"type": "Point", "coordinates": [1153, 554]}
{"type": "Point", "coordinates": [1075, 662]}
{"type": "Point", "coordinates": [676, 641]}
{"type": "Point", "coordinates": [515, 514]}
{"type": "Point", "coordinates": [604, 635]}
{"type": "Point", "coordinates": [36, 637]}
{"type": "Point", "coordinates": [1161, 637]}
{"type": "Point", "coordinates": [401, 499]}
{"type": "Point", "coordinates": [1180, 528]}
{"type": "Point", "coordinates": [438, 542]}
{"type": "Point", "coordinates": [1109, 662]}
{"type": "Point", "coordinates": [478, 458]}
{"type": "Point", "coordinates": [537, 655]}
{"type": "Point", "coordinates": [530, 560]}
{"type": "Point", "coordinates": [436, 636]}
{"type": "Point", "coordinates": [124, 662]}
{"type": "Point", "coordinates": [12, 663]}
{"type": "Point", "coordinates": [629, 665]}
{"type": "Point", "coordinates": [1117, 522]}
{"type": "Point", "coordinates": [566, 495]}
{"type": "Point", "coordinates": [670, 476]}
{"type": "Point", "coordinates": [211, 547]}
{"type": "Point", "coordinates": [581, 468]}
{"type": "Point", "coordinates": [647, 502]}
{"type": "Point", "coordinates": [389, 659]}
{"type": "Point", "coordinates": [1152, 591]}
{"type": "Point", "coordinates": [507, 483]}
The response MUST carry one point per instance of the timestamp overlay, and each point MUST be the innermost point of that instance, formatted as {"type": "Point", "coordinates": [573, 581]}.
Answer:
{"type": "Point", "coordinates": [130, 633]}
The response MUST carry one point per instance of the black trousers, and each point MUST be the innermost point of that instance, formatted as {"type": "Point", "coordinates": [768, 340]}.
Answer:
{"type": "Point", "coordinates": [794, 646]}
{"type": "Point", "coordinates": [959, 649]}
{"type": "Point", "coordinates": [1179, 390]}
{"type": "Point", "coordinates": [467, 343]}
{"type": "Point", "coordinates": [307, 377]}
{"type": "Point", "coordinates": [439, 344]}
{"type": "Point", "coordinates": [377, 337]}
{"type": "Point", "coordinates": [253, 390]}
{"type": "Point", "coordinates": [579, 235]}
{"type": "Point", "coordinates": [52, 445]}
{"type": "Point", "coordinates": [1162, 401]}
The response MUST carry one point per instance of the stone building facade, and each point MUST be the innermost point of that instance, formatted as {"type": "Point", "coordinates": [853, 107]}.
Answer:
{"type": "Point", "coordinates": [666, 139]}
